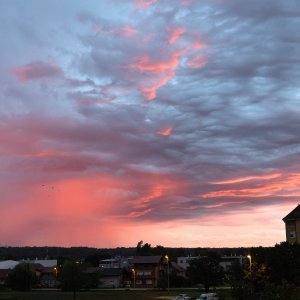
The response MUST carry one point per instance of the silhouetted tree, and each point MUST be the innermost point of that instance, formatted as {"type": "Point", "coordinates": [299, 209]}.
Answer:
{"type": "Point", "coordinates": [71, 277]}
{"type": "Point", "coordinates": [143, 249]}
{"type": "Point", "coordinates": [206, 270]}
{"type": "Point", "coordinates": [22, 277]}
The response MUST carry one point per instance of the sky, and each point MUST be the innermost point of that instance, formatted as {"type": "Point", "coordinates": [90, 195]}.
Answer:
{"type": "Point", "coordinates": [175, 122]}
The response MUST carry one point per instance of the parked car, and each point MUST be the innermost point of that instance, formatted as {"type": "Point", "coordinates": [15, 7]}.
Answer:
{"type": "Point", "coordinates": [182, 297]}
{"type": "Point", "coordinates": [209, 296]}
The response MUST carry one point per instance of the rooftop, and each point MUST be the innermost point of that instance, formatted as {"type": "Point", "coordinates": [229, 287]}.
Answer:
{"type": "Point", "coordinates": [293, 215]}
{"type": "Point", "coordinates": [147, 259]}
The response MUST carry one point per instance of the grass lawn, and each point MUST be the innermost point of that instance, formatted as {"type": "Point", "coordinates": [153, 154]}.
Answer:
{"type": "Point", "coordinates": [99, 295]}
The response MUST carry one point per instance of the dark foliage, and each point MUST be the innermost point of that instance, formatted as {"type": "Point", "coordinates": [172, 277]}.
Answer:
{"type": "Point", "coordinates": [22, 277]}
{"type": "Point", "coordinates": [206, 270]}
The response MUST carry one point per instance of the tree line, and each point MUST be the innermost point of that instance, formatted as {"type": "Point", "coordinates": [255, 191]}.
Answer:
{"type": "Point", "coordinates": [269, 273]}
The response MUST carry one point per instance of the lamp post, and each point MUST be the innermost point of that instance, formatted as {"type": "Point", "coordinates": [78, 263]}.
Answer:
{"type": "Point", "coordinates": [133, 273]}
{"type": "Point", "coordinates": [250, 262]}
{"type": "Point", "coordinates": [55, 270]}
{"type": "Point", "coordinates": [168, 272]}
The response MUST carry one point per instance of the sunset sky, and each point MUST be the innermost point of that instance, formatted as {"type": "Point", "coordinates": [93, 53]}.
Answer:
{"type": "Point", "coordinates": [175, 122]}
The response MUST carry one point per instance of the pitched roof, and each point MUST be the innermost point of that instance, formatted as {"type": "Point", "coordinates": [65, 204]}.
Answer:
{"type": "Point", "coordinates": [8, 264]}
{"type": "Point", "coordinates": [293, 215]}
{"type": "Point", "coordinates": [147, 259]}
{"type": "Point", "coordinates": [108, 272]}
{"type": "Point", "coordinates": [177, 267]}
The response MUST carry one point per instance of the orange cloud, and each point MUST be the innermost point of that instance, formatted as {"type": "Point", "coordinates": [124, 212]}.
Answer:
{"type": "Point", "coordinates": [197, 61]}
{"type": "Point", "coordinates": [280, 187]}
{"type": "Point", "coordinates": [176, 34]}
{"type": "Point", "coordinates": [166, 132]}
{"type": "Point", "coordinates": [142, 4]}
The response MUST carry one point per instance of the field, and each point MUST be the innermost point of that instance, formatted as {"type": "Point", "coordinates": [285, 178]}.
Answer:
{"type": "Point", "coordinates": [99, 295]}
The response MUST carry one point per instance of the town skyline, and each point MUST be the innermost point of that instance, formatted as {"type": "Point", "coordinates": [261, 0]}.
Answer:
{"type": "Point", "coordinates": [173, 122]}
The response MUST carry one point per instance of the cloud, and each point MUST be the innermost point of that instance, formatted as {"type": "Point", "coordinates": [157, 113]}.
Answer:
{"type": "Point", "coordinates": [166, 132]}
{"type": "Point", "coordinates": [175, 35]}
{"type": "Point", "coordinates": [36, 70]}
{"type": "Point", "coordinates": [142, 4]}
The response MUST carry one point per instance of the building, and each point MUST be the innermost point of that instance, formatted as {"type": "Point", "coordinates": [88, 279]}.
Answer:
{"type": "Point", "coordinates": [117, 262]}
{"type": "Point", "coordinates": [225, 261]}
{"type": "Point", "coordinates": [111, 277]}
{"type": "Point", "coordinates": [292, 226]}
{"type": "Point", "coordinates": [146, 270]}
{"type": "Point", "coordinates": [184, 261]}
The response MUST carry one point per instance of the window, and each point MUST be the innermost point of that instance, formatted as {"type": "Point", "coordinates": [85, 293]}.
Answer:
{"type": "Point", "coordinates": [292, 234]}
{"type": "Point", "coordinates": [148, 281]}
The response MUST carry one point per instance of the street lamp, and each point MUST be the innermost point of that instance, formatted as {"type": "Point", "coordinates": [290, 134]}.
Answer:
{"type": "Point", "coordinates": [133, 272]}
{"type": "Point", "coordinates": [167, 258]}
{"type": "Point", "coordinates": [55, 270]}
{"type": "Point", "coordinates": [250, 262]}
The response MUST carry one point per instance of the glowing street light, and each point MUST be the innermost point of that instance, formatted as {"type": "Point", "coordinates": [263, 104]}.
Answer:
{"type": "Point", "coordinates": [133, 273]}
{"type": "Point", "coordinates": [55, 270]}
{"type": "Point", "coordinates": [167, 258]}
{"type": "Point", "coordinates": [250, 262]}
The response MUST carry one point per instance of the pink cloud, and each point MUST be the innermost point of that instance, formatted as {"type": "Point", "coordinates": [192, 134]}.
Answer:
{"type": "Point", "coordinates": [186, 2]}
{"type": "Point", "coordinates": [125, 31]}
{"type": "Point", "coordinates": [91, 101]}
{"type": "Point", "coordinates": [247, 178]}
{"type": "Point", "coordinates": [158, 72]}
{"type": "Point", "coordinates": [198, 43]}
{"type": "Point", "coordinates": [198, 61]}
{"type": "Point", "coordinates": [273, 185]}
{"type": "Point", "coordinates": [145, 63]}
{"type": "Point", "coordinates": [128, 31]}
{"type": "Point", "coordinates": [36, 71]}
{"type": "Point", "coordinates": [166, 132]}
{"type": "Point", "coordinates": [142, 4]}
{"type": "Point", "coordinates": [176, 34]}
{"type": "Point", "coordinates": [150, 93]}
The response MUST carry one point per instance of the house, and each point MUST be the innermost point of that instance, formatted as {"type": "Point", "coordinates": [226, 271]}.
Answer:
{"type": "Point", "coordinates": [5, 267]}
{"type": "Point", "coordinates": [146, 270]}
{"type": "Point", "coordinates": [105, 277]}
{"type": "Point", "coordinates": [184, 261]}
{"type": "Point", "coordinates": [292, 226]}
{"type": "Point", "coordinates": [225, 261]}
{"type": "Point", "coordinates": [3, 275]}
{"type": "Point", "coordinates": [48, 278]}
{"type": "Point", "coordinates": [111, 277]}
{"type": "Point", "coordinates": [117, 262]}
{"type": "Point", "coordinates": [176, 269]}
{"type": "Point", "coordinates": [47, 263]}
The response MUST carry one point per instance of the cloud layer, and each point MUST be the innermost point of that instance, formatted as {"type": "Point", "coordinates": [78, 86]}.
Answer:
{"type": "Point", "coordinates": [176, 122]}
